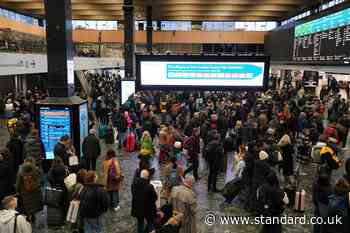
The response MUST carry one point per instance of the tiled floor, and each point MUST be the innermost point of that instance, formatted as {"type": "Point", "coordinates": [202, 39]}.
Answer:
{"type": "Point", "coordinates": [122, 222]}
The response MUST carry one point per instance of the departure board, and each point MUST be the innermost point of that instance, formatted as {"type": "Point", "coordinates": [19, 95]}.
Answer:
{"type": "Point", "coordinates": [54, 123]}
{"type": "Point", "coordinates": [325, 40]}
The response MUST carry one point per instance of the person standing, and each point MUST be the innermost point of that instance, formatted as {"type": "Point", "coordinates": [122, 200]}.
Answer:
{"type": "Point", "coordinates": [184, 201]}
{"type": "Point", "coordinates": [215, 155]}
{"type": "Point", "coordinates": [11, 220]}
{"type": "Point", "coordinates": [91, 149]}
{"type": "Point", "coordinates": [112, 178]}
{"type": "Point", "coordinates": [7, 175]}
{"type": "Point", "coordinates": [33, 147]}
{"type": "Point", "coordinates": [15, 146]}
{"type": "Point", "coordinates": [93, 203]}
{"type": "Point", "coordinates": [28, 186]}
{"type": "Point", "coordinates": [60, 149]}
{"type": "Point", "coordinates": [144, 199]}
{"type": "Point", "coordinates": [192, 145]}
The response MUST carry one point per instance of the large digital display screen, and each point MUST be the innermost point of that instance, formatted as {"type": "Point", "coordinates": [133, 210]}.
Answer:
{"type": "Point", "coordinates": [128, 88]}
{"type": "Point", "coordinates": [54, 123]}
{"type": "Point", "coordinates": [324, 40]}
{"type": "Point", "coordinates": [83, 124]}
{"type": "Point", "coordinates": [201, 72]}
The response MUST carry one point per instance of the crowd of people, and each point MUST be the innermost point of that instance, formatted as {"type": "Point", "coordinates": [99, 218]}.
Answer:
{"type": "Point", "coordinates": [268, 137]}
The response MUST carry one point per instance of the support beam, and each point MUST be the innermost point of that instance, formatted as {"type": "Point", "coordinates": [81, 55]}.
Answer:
{"type": "Point", "coordinates": [129, 25]}
{"type": "Point", "coordinates": [149, 29]}
{"type": "Point", "coordinates": [59, 48]}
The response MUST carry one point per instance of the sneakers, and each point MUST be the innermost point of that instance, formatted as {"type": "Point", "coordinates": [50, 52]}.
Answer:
{"type": "Point", "coordinates": [117, 208]}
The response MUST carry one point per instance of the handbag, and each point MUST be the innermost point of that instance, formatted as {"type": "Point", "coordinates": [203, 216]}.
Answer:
{"type": "Point", "coordinates": [73, 161]}
{"type": "Point", "coordinates": [70, 180]}
{"type": "Point", "coordinates": [74, 205]}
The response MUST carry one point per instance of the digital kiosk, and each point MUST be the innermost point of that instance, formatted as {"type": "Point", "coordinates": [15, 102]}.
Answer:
{"type": "Point", "coordinates": [57, 117]}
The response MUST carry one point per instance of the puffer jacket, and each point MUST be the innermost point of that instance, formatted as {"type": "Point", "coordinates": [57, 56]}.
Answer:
{"type": "Point", "coordinates": [33, 148]}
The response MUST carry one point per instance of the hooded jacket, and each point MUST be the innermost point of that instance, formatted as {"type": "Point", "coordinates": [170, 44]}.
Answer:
{"type": "Point", "coordinates": [7, 222]}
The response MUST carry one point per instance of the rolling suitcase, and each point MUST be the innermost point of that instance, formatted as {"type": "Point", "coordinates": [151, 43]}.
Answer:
{"type": "Point", "coordinates": [130, 142]}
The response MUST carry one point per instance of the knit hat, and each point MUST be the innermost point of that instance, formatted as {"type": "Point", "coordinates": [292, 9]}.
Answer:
{"type": "Point", "coordinates": [263, 155]}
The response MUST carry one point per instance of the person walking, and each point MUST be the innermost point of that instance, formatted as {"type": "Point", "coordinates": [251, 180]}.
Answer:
{"type": "Point", "coordinates": [143, 206]}
{"type": "Point", "coordinates": [28, 186]}
{"type": "Point", "coordinates": [112, 178]}
{"type": "Point", "coordinates": [91, 150]}
{"type": "Point", "coordinates": [93, 203]}
{"type": "Point", "coordinates": [11, 220]}
{"type": "Point", "coordinates": [15, 146]}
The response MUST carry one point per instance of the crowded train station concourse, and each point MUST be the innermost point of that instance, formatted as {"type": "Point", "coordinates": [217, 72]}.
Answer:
{"type": "Point", "coordinates": [174, 116]}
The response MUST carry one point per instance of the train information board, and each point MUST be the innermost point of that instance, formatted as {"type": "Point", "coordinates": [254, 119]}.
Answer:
{"type": "Point", "coordinates": [54, 123]}
{"type": "Point", "coordinates": [325, 40]}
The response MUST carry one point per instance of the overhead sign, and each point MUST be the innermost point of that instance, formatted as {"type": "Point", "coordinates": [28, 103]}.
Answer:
{"type": "Point", "coordinates": [201, 72]}
{"type": "Point", "coordinates": [15, 63]}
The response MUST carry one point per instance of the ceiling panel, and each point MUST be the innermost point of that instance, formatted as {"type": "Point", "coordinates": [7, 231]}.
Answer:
{"type": "Point", "coordinates": [171, 9]}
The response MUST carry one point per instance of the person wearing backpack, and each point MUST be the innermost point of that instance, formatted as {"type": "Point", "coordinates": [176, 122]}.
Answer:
{"type": "Point", "coordinates": [112, 178]}
{"type": "Point", "coordinates": [338, 207]}
{"type": "Point", "coordinates": [271, 202]}
{"type": "Point", "coordinates": [11, 220]}
{"type": "Point", "coordinates": [93, 203]}
{"type": "Point", "coordinates": [173, 175]}
{"type": "Point", "coordinates": [28, 186]}
{"type": "Point", "coordinates": [329, 156]}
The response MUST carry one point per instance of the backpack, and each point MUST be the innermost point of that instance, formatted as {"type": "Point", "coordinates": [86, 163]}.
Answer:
{"type": "Point", "coordinates": [29, 183]}
{"type": "Point", "coordinates": [173, 177]}
{"type": "Point", "coordinates": [337, 206]}
{"type": "Point", "coordinates": [112, 174]}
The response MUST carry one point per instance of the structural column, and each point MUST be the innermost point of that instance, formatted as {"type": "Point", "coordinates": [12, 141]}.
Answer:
{"type": "Point", "coordinates": [60, 50]}
{"type": "Point", "coordinates": [149, 29]}
{"type": "Point", "coordinates": [129, 38]}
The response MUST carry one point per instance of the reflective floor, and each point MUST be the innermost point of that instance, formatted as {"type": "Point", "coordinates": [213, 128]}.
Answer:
{"type": "Point", "coordinates": [122, 222]}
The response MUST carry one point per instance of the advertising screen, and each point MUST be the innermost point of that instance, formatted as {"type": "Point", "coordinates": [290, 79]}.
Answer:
{"type": "Point", "coordinates": [211, 73]}
{"type": "Point", "coordinates": [83, 124]}
{"type": "Point", "coordinates": [128, 88]}
{"type": "Point", "coordinates": [54, 123]}
{"type": "Point", "coordinates": [325, 40]}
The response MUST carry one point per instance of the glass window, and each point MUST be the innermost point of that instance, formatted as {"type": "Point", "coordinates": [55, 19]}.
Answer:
{"type": "Point", "coordinates": [176, 25]}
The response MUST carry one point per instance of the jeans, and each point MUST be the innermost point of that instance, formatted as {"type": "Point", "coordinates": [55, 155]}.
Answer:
{"type": "Point", "coordinates": [93, 225]}
{"type": "Point", "coordinates": [212, 178]}
{"type": "Point", "coordinates": [141, 225]}
{"type": "Point", "coordinates": [121, 138]}
{"type": "Point", "coordinates": [114, 197]}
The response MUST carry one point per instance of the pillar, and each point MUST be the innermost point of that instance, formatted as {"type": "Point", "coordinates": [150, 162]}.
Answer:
{"type": "Point", "coordinates": [149, 29]}
{"type": "Point", "coordinates": [129, 38]}
{"type": "Point", "coordinates": [60, 50]}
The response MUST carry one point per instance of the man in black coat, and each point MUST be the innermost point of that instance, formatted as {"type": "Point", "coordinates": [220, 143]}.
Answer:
{"type": "Point", "coordinates": [15, 146]}
{"type": "Point", "coordinates": [60, 149]}
{"type": "Point", "coordinates": [91, 150]}
{"type": "Point", "coordinates": [215, 154]}
{"type": "Point", "coordinates": [144, 199]}
{"type": "Point", "coordinates": [7, 175]}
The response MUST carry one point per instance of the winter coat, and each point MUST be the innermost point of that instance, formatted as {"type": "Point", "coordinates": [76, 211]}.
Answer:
{"type": "Point", "coordinates": [287, 154]}
{"type": "Point", "coordinates": [184, 201]}
{"type": "Point", "coordinates": [33, 148]}
{"type": "Point", "coordinates": [7, 222]}
{"type": "Point", "coordinates": [31, 202]}
{"type": "Point", "coordinates": [93, 201]}
{"type": "Point", "coordinates": [144, 199]}
{"type": "Point", "coordinates": [15, 146]}
{"type": "Point", "coordinates": [56, 178]}
{"type": "Point", "coordinates": [215, 155]}
{"type": "Point", "coordinates": [61, 151]}
{"type": "Point", "coordinates": [7, 179]}
{"type": "Point", "coordinates": [106, 166]}
{"type": "Point", "coordinates": [91, 147]}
